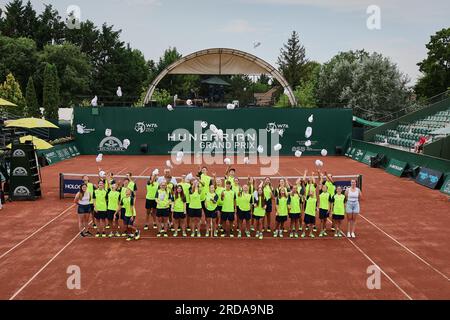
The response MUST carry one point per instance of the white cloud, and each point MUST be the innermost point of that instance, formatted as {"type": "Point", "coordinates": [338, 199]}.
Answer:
{"type": "Point", "coordinates": [238, 26]}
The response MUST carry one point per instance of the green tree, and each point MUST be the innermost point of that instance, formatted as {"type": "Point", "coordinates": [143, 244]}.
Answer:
{"type": "Point", "coordinates": [32, 106]}
{"type": "Point", "coordinates": [292, 60]}
{"type": "Point", "coordinates": [10, 90]}
{"type": "Point", "coordinates": [74, 71]}
{"type": "Point", "coordinates": [19, 57]}
{"type": "Point", "coordinates": [436, 66]}
{"type": "Point", "coordinates": [12, 25]}
{"type": "Point", "coordinates": [50, 28]}
{"type": "Point", "coordinates": [50, 99]}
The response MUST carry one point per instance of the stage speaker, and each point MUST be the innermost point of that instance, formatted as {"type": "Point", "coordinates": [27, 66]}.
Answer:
{"type": "Point", "coordinates": [338, 150]}
{"type": "Point", "coordinates": [144, 148]}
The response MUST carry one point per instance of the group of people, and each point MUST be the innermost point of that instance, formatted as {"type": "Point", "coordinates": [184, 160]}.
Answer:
{"type": "Point", "coordinates": [228, 206]}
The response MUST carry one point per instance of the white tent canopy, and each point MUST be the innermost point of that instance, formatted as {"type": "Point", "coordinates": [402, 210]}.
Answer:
{"type": "Point", "coordinates": [221, 61]}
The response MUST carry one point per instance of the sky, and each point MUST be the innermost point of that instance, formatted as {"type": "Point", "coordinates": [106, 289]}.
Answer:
{"type": "Point", "coordinates": [326, 27]}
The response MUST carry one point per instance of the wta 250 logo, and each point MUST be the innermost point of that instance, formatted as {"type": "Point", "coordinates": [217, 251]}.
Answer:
{"type": "Point", "coordinates": [142, 127]}
{"type": "Point", "coordinates": [273, 127]}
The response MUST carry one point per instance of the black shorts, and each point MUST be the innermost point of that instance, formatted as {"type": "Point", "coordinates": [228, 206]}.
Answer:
{"type": "Point", "coordinates": [227, 216]}
{"type": "Point", "coordinates": [92, 207]}
{"type": "Point", "coordinates": [163, 213]}
{"type": "Point", "coordinates": [269, 206]}
{"type": "Point", "coordinates": [338, 217]}
{"type": "Point", "coordinates": [294, 216]}
{"type": "Point", "coordinates": [179, 215]}
{"type": "Point", "coordinates": [210, 214]}
{"type": "Point", "coordinates": [257, 217]}
{"type": "Point", "coordinates": [281, 218]}
{"type": "Point", "coordinates": [219, 209]}
{"type": "Point", "coordinates": [309, 219]}
{"type": "Point", "coordinates": [244, 215]}
{"type": "Point", "coordinates": [150, 204]}
{"type": "Point", "coordinates": [84, 208]}
{"type": "Point", "coordinates": [195, 213]}
{"type": "Point", "coordinates": [110, 214]}
{"type": "Point", "coordinates": [128, 221]}
{"type": "Point", "coordinates": [100, 215]}
{"type": "Point", "coordinates": [323, 214]}
{"type": "Point", "coordinates": [203, 205]}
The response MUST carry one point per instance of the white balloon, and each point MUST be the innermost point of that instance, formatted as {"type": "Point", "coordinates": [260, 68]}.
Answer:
{"type": "Point", "coordinates": [119, 92]}
{"type": "Point", "coordinates": [169, 164]}
{"type": "Point", "coordinates": [204, 124]}
{"type": "Point", "coordinates": [94, 101]}
{"type": "Point", "coordinates": [260, 149]}
{"type": "Point", "coordinates": [100, 155]}
{"type": "Point", "coordinates": [277, 147]}
{"type": "Point", "coordinates": [230, 106]}
{"type": "Point", "coordinates": [189, 176]}
{"type": "Point", "coordinates": [298, 153]}
{"type": "Point", "coordinates": [169, 107]}
{"type": "Point", "coordinates": [102, 174]}
{"type": "Point", "coordinates": [98, 159]}
{"type": "Point", "coordinates": [80, 129]}
{"type": "Point", "coordinates": [311, 119]}
{"type": "Point", "coordinates": [308, 143]}
{"type": "Point", "coordinates": [308, 132]}
{"type": "Point", "coordinates": [189, 102]}
{"type": "Point", "coordinates": [227, 161]}
{"type": "Point", "coordinates": [155, 172]}
{"type": "Point", "coordinates": [213, 128]}
{"type": "Point", "coordinates": [324, 152]}
{"type": "Point", "coordinates": [319, 163]}
{"type": "Point", "coordinates": [180, 154]}
{"type": "Point", "coordinates": [126, 143]}
{"type": "Point", "coordinates": [108, 132]}
{"type": "Point", "coordinates": [281, 132]}
{"type": "Point", "coordinates": [246, 160]}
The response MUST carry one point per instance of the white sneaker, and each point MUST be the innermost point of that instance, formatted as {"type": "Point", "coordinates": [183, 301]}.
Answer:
{"type": "Point", "coordinates": [349, 235]}
{"type": "Point", "coordinates": [353, 235]}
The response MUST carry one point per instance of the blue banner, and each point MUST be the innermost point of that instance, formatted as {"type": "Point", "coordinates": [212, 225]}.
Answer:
{"type": "Point", "coordinates": [428, 177]}
{"type": "Point", "coordinates": [72, 186]}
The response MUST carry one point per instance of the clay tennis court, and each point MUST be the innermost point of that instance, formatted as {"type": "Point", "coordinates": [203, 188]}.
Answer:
{"type": "Point", "coordinates": [402, 229]}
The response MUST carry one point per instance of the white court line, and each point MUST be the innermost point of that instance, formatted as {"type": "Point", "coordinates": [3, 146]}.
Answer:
{"type": "Point", "coordinates": [224, 238]}
{"type": "Point", "coordinates": [43, 267]}
{"type": "Point", "coordinates": [405, 247]}
{"type": "Point", "coordinates": [381, 270]}
{"type": "Point", "coordinates": [42, 227]}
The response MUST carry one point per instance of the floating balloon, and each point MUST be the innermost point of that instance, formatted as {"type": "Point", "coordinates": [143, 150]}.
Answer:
{"type": "Point", "coordinates": [108, 132]}
{"type": "Point", "coordinates": [298, 153]}
{"type": "Point", "coordinates": [169, 164]}
{"type": "Point", "coordinates": [319, 163]}
{"type": "Point", "coordinates": [169, 107]}
{"type": "Point", "coordinates": [98, 159]}
{"type": "Point", "coordinates": [311, 119]}
{"type": "Point", "coordinates": [281, 132]}
{"type": "Point", "coordinates": [213, 128]}
{"type": "Point", "coordinates": [155, 172]}
{"type": "Point", "coordinates": [260, 149]}
{"type": "Point", "coordinates": [230, 106]}
{"type": "Point", "coordinates": [256, 44]}
{"type": "Point", "coordinates": [80, 129]}
{"type": "Point", "coordinates": [126, 143]}
{"type": "Point", "coordinates": [100, 155]}
{"type": "Point", "coordinates": [277, 147]}
{"type": "Point", "coordinates": [189, 102]}
{"type": "Point", "coordinates": [119, 92]}
{"type": "Point", "coordinates": [246, 160]}
{"type": "Point", "coordinates": [308, 132]}
{"type": "Point", "coordinates": [308, 143]}
{"type": "Point", "coordinates": [102, 174]}
{"type": "Point", "coordinates": [204, 124]}
{"type": "Point", "coordinates": [94, 101]}
{"type": "Point", "coordinates": [227, 161]}
{"type": "Point", "coordinates": [324, 152]}
{"type": "Point", "coordinates": [189, 176]}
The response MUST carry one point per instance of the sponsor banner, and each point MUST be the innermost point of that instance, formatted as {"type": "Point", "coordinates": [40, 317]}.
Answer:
{"type": "Point", "coordinates": [59, 153]}
{"type": "Point", "coordinates": [446, 186]}
{"type": "Point", "coordinates": [72, 186]}
{"type": "Point", "coordinates": [20, 172]}
{"type": "Point", "coordinates": [367, 157]}
{"type": "Point", "coordinates": [429, 177]}
{"type": "Point", "coordinates": [396, 167]}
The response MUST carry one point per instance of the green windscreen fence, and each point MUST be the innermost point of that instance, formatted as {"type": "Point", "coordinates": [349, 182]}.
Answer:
{"type": "Point", "coordinates": [159, 131]}
{"type": "Point", "coordinates": [446, 186]}
{"type": "Point", "coordinates": [396, 167]}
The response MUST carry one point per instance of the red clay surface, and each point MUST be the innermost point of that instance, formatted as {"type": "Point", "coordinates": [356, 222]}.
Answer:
{"type": "Point", "coordinates": [401, 229]}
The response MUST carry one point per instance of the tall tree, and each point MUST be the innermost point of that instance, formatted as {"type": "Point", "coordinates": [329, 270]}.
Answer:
{"type": "Point", "coordinates": [51, 92]}
{"type": "Point", "coordinates": [29, 21]}
{"type": "Point", "coordinates": [292, 60]}
{"type": "Point", "coordinates": [436, 66]}
{"type": "Point", "coordinates": [50, 28]}
{"type": "Point", "coordinates": [13, 24]}
{"type": "Point", "coordinates": [17, 56]}
{"type": "Point", "coordinates": [74, 71]}
{"type": "Point", "coordinates": [32, 106]}
{"type": "Point", "coordinates": [10, 90]}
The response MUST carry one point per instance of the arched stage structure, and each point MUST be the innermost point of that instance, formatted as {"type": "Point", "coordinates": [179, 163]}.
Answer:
{"type": "Point", "coordinates": [222, 61]}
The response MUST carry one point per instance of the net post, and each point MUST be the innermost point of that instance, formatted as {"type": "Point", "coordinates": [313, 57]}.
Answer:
{"type": "Point", "coordinates": [61, 186]}
{"type": "Point", "coordinates": [360, 178]}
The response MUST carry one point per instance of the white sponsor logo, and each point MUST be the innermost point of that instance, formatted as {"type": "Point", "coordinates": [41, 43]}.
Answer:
{"type": "Point", "coordinates": [18, 153]}
{"type": "Point", "coordinates": [142, 127]}
{"type": "Point", "coordinates": [21, 191]}
{"type": "Point", "coordinates": [111, 144]}
{"type": "Point", "coordinates": [20, 171]}
{"type": "Point", "coordinates": [81, 129]}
